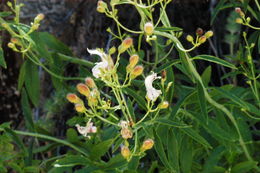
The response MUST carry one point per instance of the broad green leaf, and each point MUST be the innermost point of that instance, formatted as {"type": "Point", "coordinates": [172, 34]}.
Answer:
{"type": "Point", "coordinates": [16, 139]}
{"type": "Point", "coordinates": [5, 13]}
{"type": "Point", "coordinates": [196, 137]}
{"type": "Point", "coordinates": [202, 102]}
{"type": "Point", "coordinates": [243, 167]}
{"type": "Point", "coordinates": [31, 169]}
{"type": "Point", "coordinates": [27, 112]}
{"type": "Point", "coordinates": [206, 75]}
{"type": "Point", "coordinates": [170, 78]}
{"type": "Point", "coordinates": [215, 60]}
{"type": "Point", "coordinates": [133, 164]}
{"type": "Point", "coordinates": [178, 105]}
{"type": "Point", "coordinates": [21, 76]}
{"type": "Point", "coordinates": [166, 65]}
{"type": "Point", "coordinates": [32, 82]}
{"type": "Point", "coordinates": [139, 99]}
{"type": "Point", "coordinates": [173, 150]}
{"type": "Point", "coordinates": [172, 123]}
{"type": "Point", "coordinates": [186, 155]}
{"type": "Point", "coordinates": [72, 135]}
{"type": "Point", "coordinates": [75, 60]}
{"type": "Point", "coordinates": [245, 105]}
{"type": "Point", "coordinates": [213, 159]}
{"type": "Point", "coordinates": [2, 58]}
{"type": "Point", "coordinates": [100, 149]}
{"type": "Point", "coordinates": [114, 163]}
{"type": "Point", "coordinates": [160, 150]}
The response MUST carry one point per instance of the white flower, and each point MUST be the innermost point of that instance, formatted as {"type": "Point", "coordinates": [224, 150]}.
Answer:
{"type": "Point", "coordinates": [105, 64]}
{"type": "Point", "coordinates": [88, 129]}
{"type": "Point", "coordinates": [152, 93]}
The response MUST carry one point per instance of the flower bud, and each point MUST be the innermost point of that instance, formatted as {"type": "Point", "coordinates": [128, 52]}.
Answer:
{"type": "Point", "coordinates": [148, 28]}
{"type": "Point", "coordinates": [133, 60]}
{"type": "Point", "coordinates": [11, 45]}
{"type": "Point", "coordinates": [138, 70]}
{"type": "Point", "coordinates": [14, 40]}
{"type": "Point", "coordinates": [202, 39]}
{"type": "Point", "coordinates": [164, 105]}
{"type": "Point", "coordinates": [238, 10]}
{"type": "Point", "coordinates": [125, 152]}
{"type": "Point", "coordinates": [73, 98]}
{"type": "Point", "coordinates": [147, 144]}
{"type": "Point", "coordinates": [90, 82]}
{"type": "Point", "coordinates": [209, 34]}
{"type": "Point", "coordinates": [39, 17]}
{"type": "Point", "coordinates": [248, 19]}
{"type": "Point", "coordinates": [80, 107]}
{"type": "Point", "coordinates": [189, 38]}
{"type": "Point", "coordinates": [239, 20]}
{"type": "Point", "coordinates": [126, 133]}
{"type": "Point", "coordinates": [35, 26]}
{"type": "Point", "coordinates": [127, 43]}
{"type": "Point", "coordinates": [101, 6]}
{"type": "Point", "coordinates": [83, 89]}
{"type": "Point", "coordinates": [164, 75]}
{"type": "Point", "coordinates": [199, 31]}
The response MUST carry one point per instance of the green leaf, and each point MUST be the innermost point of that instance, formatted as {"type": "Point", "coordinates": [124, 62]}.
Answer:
{"type": "Point", "coordinates": [186, 155]}
{"type": "Point", "coordinates": [2, 58]}
{"type": "Point", "coordinates": [168, 122]}
{"type": "Point", "coordinates": [166, 29]}
{"type": "Point", "coordinates": [72, 160]}
{"type": "Point", "coordinates": [166, 65]}
{"type": "Point", "coordinates": [202, 102]}
{"type": "Point", "coordinates": [173, 150]}
{"type": "Point", "coordinates": [160, 150]}
{"type": "Point", "coordinates": [115, 162]}
{"type": "Point", "coordinates": [27, 111]}
{"type": "Point", "coordinates": [139, 99]}
{"type": "Point", "coordinates": [247, 106]}
{"type": "Point", "coordinates": [100, 149]}
{"type": "Point", "coordinates": [206, 75]}
{"type": "Point", "coordinates": [213, 159]}
{"type": "Point", "coordinates": [16, 139]}
{"type": "Point", "coordinates": [5, 13]}
{"type": "Point", "coordinates": [215, 60]}
{"type": "Point", "coordinates": [243, 167]}
{"type": "Point", "coordinates": [72, 135]}
{"type": "Point", "coordinates": [32, 82]}
{"type": "Point", "coordinates": [196, 137]}
{"type": "Point", "coordinates": [21, 77]}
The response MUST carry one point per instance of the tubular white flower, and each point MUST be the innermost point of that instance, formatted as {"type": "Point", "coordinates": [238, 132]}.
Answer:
{"type": "Point", "coordinates": [89, 128]}
{"type": "Point", "coordinates": [152, 93]}
{"type": "Point", "coordinates": [105, 63]}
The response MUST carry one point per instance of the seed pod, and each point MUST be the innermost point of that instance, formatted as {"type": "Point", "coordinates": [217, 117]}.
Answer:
{"type": "Point", "coordinates": [164, 105]}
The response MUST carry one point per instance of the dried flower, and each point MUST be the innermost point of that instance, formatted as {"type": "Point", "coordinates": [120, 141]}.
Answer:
{"type": "Point", "coordinates": [148, 28]}
{"type": "Point", "coordinates": [152, 93]}
{"type": "Point", "coordinates": [199, 31]}
{"type": "Point", "coordinates": [126, 133]}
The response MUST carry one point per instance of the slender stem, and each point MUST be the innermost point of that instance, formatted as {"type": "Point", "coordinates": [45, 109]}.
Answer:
{"type": "Point", "coordinates": [257, 4]}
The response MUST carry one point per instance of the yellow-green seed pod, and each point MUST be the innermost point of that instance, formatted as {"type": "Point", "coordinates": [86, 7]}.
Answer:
{"type": "Point", "coordinates": [209, 34]}
{"type": "Point", "coordinates": [189, 38]}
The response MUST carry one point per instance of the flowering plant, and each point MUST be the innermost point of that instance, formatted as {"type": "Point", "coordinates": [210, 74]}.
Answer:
{"type": "Point", "coordinates": [129, 105]}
